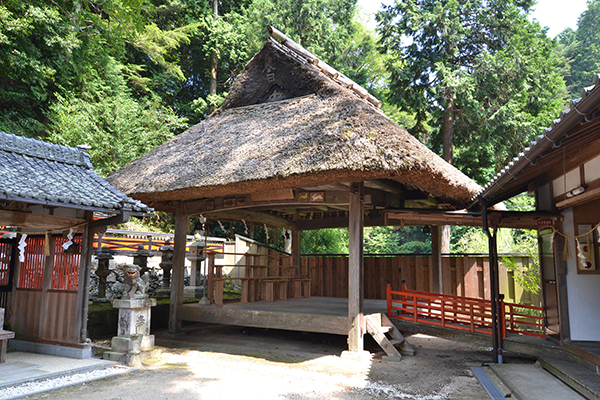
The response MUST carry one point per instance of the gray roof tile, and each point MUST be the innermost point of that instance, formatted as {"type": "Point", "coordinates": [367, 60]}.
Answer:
{"type": "Point", "coordinates": [45, 172]}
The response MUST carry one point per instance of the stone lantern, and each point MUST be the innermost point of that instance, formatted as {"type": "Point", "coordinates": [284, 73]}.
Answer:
{"type": "Point", "coordinates": [196, 256]}
{"type": "Point", "coordinates": [166, 264]}
{"type": "Point", "coordinates": [140, 258]}
{"type": "Point", "coordinates": [103, 256]}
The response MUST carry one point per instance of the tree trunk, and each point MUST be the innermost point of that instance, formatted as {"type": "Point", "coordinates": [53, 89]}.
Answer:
{"type": "Point", "coordinates": [213, 61]}
{"type": "Point", "coordinates": [447, 154]}
{"type": "Point", "coordinates": [448, 129]}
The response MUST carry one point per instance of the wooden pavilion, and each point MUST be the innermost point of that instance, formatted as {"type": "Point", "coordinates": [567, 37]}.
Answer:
{"type": "Point", "coordinates": [51, 203]}
{"type": "Point", "coordinates": [298, 146]}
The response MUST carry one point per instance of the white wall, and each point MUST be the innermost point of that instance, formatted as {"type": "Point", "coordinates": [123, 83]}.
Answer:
{"type": "Point", "coordinates": [566, 183]}
{"type": "Point", "coordinates": [583, 292]}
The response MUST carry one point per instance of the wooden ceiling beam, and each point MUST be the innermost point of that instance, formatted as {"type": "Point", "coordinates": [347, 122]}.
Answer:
{"type": "Point", "coordinates": [251, 217]}
{"type": "Point", "coordinates": [301, 198]}
{"type": "Point", "coordinates": [38, 221]}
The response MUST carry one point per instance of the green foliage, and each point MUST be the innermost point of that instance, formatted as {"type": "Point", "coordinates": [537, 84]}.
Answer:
{"type": "Point", "coordinates": [324, 241]}
{"type": "Point", "coordinates": [105, 116]}
{"type": "Point", "coordinates": [492, 79]}
{"type": "Point", "coordinates": [527, 276]}
{"type": "Point", "coordinates": [64, 75]}
{"type": "Point", "coordinates": [395, 240]}
{"type": "Point", "coordinates": [521, 202]}
{"type": "Point", "coordinates": [582, 49]}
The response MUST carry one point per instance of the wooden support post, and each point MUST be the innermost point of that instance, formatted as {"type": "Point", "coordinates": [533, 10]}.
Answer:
{"type": "Point", "coordinates": [561, 282]}
{"type": "Point", "coordinates": [177, 277]}
{"type": "Point", "coordinates": [83, 284]}
{"type": "Point", "coordinates": [436, 259]}
{"type": "Point", "coordinates": [356, 269]}
{"type": "Point", "coordinates": [296, 251]}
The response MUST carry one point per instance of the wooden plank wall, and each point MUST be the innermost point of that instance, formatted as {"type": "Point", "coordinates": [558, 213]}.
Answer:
{"type": "Point", "coordinates": [61, 312]}
{"type": "Point", "coordinates": [463, 276]}
{"type": "Point", "coordinates": [26, 317]}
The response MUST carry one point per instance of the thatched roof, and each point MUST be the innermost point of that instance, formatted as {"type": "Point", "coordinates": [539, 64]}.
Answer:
{"type": "Point", "coordinates": [325, 133]}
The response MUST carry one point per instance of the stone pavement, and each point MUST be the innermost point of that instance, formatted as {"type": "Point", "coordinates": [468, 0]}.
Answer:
{"type": "Point", "coordinates": [28, 373]}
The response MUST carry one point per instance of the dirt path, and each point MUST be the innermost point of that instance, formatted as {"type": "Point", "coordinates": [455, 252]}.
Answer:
{"type": "Point", "coordinates": [217, 362]}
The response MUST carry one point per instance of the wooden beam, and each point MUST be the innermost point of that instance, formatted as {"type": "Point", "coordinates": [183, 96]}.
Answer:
{"type": "Point", "coordinates": [538, 183]}
{"type": "Point", "coordinates": [38, 221]}
{"type": "Point", "coordinates": [266, 319]}
{"type": "Point", "coordinates": [336, 222]}
{"type": "Point", "coordinates": [275, 194]}
{"type": "Point", "coordinates": [327, 198]}
{"type": "Point", "coordinates": [356, 269]}
{"type": "Point", "coordinates": [177, 275]}
{"type": "Point", "coordinates": [580, 199]}
{"type": "Point", "coordinates": [247, 215]}
{"type": "Point", "coordinates": [117, 219]}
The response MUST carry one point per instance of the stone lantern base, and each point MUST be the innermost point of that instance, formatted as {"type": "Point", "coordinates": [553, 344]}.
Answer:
{"type": "Point", "coordinates": [133, 334]}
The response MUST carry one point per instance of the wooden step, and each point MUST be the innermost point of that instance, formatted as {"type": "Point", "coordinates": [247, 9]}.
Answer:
{"type": "Point", "coordinates": [374, 330]}
{"type": "Point", "coordinates": [396, 342]}
{"type": "Point", "coordinates": [405, 348]}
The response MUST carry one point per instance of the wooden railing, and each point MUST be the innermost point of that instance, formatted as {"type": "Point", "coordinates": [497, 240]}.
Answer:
{"type": "Point", "coordinates": [462, 313]}
{"type": "Point", "coordinates": [527, 320]}
{"type": "Point", "coordinates": [261, 277]}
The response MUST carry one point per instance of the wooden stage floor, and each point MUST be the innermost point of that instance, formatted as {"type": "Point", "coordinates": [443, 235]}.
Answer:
{"type": "Point", "coordinates": [315, 314]}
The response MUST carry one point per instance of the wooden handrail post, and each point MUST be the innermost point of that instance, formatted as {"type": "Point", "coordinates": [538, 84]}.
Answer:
{"type": "Point", "coordinates": [415, 308]}
{"type": "Point", "coordinates": [389, 299]}
{"type": "Point", "coordinates": [472, 317]}
{"type": "Point", "coordinates": [443, 312]}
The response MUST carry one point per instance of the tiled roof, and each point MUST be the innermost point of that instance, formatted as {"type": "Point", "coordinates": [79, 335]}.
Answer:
{"type": "Point", "coordinates": [43, 173]}
{"type": "Point", "coordinates": [551, 137]}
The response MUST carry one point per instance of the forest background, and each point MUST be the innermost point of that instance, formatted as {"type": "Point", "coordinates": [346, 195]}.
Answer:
{"type": "Point", "coordinates": [475, 80]}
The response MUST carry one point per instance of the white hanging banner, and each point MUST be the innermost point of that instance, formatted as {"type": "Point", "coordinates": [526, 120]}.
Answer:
{"type": "Point", "coordinates": [22, 245]}
{"type": "Point", "coordinates": [70, 241]}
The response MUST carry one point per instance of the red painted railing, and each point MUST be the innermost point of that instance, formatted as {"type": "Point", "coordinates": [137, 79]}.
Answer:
{"type": "Point", "coordinates": [462, 313]}
{"type": "Point", "coordinates": [518, 317]}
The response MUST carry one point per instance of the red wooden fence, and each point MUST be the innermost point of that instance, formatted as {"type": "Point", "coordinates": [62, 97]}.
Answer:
{"type": "Point", "coordinates": [65, 269]}
{"type": "Point", "coordinates": [462, 313]}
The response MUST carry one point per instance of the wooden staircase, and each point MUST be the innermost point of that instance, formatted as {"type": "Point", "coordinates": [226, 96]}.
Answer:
{"type": "Point", "coordinates": [388, 336]}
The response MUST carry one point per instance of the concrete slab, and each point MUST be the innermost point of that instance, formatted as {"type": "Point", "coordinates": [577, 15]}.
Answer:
{"type": "Point", "coordinates": [8, 368]}
{"type": "Point", "coordinates": [531, 382]}
{"type": "Point", "coordinates": [28, 373]}
{"type": "Point", "coordinates": [24, 367]}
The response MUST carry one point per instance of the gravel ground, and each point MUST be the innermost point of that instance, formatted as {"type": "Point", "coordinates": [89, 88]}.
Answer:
{"type": "Point", "coordinates": [218, 362]}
